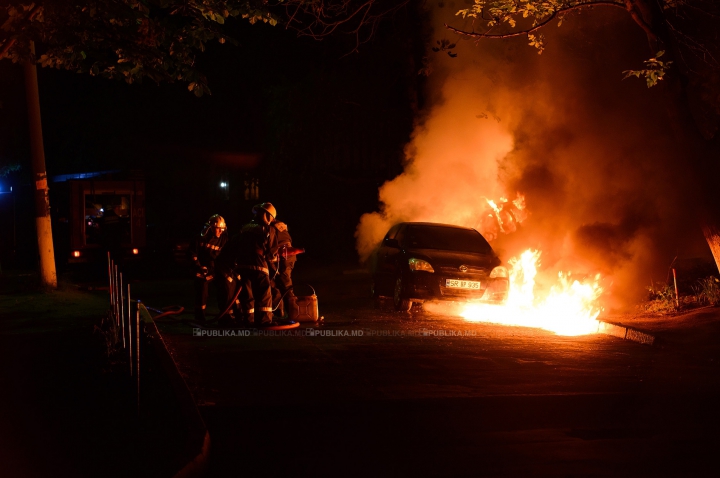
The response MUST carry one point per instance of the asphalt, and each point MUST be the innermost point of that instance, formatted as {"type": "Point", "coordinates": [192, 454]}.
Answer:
{"type": "Point", "coordinates": [414, 395]}
{"type": "Point", "coordinates": [426, 395]}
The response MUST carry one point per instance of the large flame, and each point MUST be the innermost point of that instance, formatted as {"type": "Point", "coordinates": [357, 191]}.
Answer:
{"type": "Point", "coordinates": [569, 308]}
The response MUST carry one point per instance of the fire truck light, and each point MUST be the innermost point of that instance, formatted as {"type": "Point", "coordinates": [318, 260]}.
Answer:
{"type": "Point", "coordinates": [135, 251]}
{"type": "Point", "coordinates": [76, 253]}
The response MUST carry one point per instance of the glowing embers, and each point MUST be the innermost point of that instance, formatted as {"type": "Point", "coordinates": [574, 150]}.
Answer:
{"type": "Point", "coordinates": [570, 307]}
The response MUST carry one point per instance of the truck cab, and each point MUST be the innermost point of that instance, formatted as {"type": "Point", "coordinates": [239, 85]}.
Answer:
{"type": "Point", "coordinates": [98, 213]}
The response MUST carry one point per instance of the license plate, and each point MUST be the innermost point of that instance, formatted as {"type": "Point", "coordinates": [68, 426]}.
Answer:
{"type": "Point", "coordinates": [462, 284]}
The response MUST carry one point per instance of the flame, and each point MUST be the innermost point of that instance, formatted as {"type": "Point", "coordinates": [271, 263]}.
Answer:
{"type": "Point", "coordinates": [570, 308]}
{"type": "Point", "coordinates": [497, 211]}
{"type": "Point", "coordinates": [504, 216]}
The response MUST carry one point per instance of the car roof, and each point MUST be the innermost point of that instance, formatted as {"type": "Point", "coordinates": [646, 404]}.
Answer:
{"type": "Point", "coordinates": [437, 224]}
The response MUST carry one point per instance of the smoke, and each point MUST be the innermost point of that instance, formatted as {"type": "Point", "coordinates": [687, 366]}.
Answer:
{"type": "Point", "coordinates": [593, 155]}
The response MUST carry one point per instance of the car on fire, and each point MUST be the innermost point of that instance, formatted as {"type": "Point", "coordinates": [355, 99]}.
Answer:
{"type": "Point", "coordinates": [419, 261]}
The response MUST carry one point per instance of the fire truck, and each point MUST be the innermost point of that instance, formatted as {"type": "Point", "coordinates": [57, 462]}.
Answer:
{"type": "Point", "coordinates": [97, 212]}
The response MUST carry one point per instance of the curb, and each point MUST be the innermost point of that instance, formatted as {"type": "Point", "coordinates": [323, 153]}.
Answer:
{"type": "Point", "coordinates": [197, 446]}
{"type": "Point", "coordinates": [627, 333]}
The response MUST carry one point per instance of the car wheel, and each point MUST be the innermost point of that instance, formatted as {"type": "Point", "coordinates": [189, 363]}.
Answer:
{"type": "Point", "coordinates": [400, 302]}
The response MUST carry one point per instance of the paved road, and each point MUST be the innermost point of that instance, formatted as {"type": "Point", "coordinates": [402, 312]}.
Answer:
{"type": "Point", "coordinates": [426, 395]}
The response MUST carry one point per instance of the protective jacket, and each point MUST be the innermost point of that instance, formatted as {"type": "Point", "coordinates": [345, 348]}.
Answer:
{"type": "Point", "coordinates": [280, 230]}
{"type": "Point", "coordinates": [245, 259]}
{"type": "Point", "coordinates": [257, 247]}
{"type": "Point", "coordinates": [206, 250]}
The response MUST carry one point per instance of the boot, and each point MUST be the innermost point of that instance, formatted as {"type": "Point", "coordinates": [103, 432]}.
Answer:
{"type": "Point", "coordinates": [279, 311]}
{"type": "Point", "coordinates": [291, 306]}
{"type": "Point", "coordinates": [247, 320]}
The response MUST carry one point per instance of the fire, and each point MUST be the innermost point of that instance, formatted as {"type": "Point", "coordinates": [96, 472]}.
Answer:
{"type": "Point", "coordinates": [503, 216]}
{"type": "Point", "coordinates": [570, 307]}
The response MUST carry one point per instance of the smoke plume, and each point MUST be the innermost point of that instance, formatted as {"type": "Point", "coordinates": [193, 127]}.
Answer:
{"type": "Point", "coordinates": [602, 177]}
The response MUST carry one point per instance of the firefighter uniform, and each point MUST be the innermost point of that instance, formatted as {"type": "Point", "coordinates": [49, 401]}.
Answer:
{"type": "Point", "coordinates": [228, 279]}
{"type": "Point", "coordinates": [205, 251]}
{"type": "Point", "coordinates": [282, 281]}
{"type": "Point", "coordinates": [257, 250]}
{"type": "Point", "coordinates": [244, 263]}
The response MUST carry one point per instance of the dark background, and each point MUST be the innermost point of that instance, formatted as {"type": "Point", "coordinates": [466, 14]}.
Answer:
{"type": "Point", "coordinates": [320, 127]}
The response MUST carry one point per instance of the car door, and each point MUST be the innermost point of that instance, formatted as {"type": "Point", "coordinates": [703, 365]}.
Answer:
{"type": "Point", "coordinates": [386, 261]}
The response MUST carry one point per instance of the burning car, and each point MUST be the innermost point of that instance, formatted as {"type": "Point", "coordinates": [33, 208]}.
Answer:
{"type": "Point", "coordinates": [419, 261]}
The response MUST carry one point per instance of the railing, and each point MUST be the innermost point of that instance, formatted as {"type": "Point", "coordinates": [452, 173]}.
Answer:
{"type": "Point", "coordinates": [126, 324]}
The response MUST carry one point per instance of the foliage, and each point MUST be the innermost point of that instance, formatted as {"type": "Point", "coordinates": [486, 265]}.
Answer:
{"type": "Point", "coordinates": [109, 331]}
{"type": "Point", "coordinates": [445, 45]}
{"type": "Point", "coordinates": [159, 39]}
{"type": "Point", "coordinates": [686, 26]}
{"type": "Point", "coordinates": [661, 292]}
{"type": "Point", "coordinates": [654, 71]}
{"type": "Point", "coordinates": [321, 18]}
{"type": "Point", "coordinates": [661, 298]}
{"type": "Point", "coordinates": [124, 39]}
{"type": "Point", "coordinates": [707, 291]}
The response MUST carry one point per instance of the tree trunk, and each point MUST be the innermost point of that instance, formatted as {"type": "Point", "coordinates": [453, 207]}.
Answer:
{"type": "Point", "coordinates": [48, 275]}
{"type": "Point", "coordinates": [712, 236]}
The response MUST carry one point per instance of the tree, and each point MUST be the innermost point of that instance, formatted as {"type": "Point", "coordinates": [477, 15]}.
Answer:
{"type": "Point", "coordinates": [130, 40]}
{"type": "Point", "coordinates": [118, 39]}
{"type": "Point", "coordinates": [683, 43]}
{"type": "Point", "coordinates": [668, 24]}
{"type": "Point", "coordinates": [159, 39]}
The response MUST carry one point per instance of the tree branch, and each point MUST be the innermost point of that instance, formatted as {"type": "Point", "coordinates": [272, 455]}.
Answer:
{"type": "Point", "coordinates": [9, 42]}
{"type": "Point", "coordinates": [537, 26]}
{"type": "Point", "coordinates": [633, 9]}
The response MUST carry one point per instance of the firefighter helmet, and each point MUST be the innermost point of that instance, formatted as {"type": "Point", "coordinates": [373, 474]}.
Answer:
{"type": "Point", "coordinates": [216, 220]}
{"type": "Point", "coordinates": [267, 207]}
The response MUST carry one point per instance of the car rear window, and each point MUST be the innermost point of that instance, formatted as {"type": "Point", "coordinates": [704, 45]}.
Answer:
{"type": "Point", "coordinates": [446, 238]}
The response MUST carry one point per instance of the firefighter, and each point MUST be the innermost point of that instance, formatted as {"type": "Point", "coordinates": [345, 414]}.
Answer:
{"type": "Point", "coordinates": [282, 280]}
{"type": "Point", "coordinates": [256, 249]}
{"type": "Point", "coordinates": [206, 249]}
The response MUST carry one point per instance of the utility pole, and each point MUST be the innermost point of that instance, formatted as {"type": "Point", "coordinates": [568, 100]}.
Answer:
{"type": "Point", "coordinates": [48, 274]}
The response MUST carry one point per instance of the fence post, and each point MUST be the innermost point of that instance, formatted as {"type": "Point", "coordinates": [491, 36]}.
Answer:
{"type": "Point", "coordinates": [137, 354]}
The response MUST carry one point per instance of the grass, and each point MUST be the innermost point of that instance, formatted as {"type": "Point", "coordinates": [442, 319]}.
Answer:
{"type": "Point", "coordinates": [707, 291]}
{"type": "Point", "coordinates": [66, 402]}
{"type": "Point", "coordinates": [662, 299]}
{"type": "Point", "coordinates": [26, 308]}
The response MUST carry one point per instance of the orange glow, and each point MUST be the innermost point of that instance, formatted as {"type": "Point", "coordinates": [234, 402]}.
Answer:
{"type": "Point", "coordinates": [76, 253]}
{"type": "Point", "coordinates": [569, 308]}
{"type": "Point", "coordinates": [135, 251]}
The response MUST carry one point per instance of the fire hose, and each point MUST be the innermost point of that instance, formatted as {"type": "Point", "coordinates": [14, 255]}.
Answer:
{"type": "Point", "coordinates": [286, 251]}
{"type": "Point", "coordinates": [168, 311]}
{"type": "Point", "coordinates": [173, 310]}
